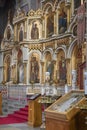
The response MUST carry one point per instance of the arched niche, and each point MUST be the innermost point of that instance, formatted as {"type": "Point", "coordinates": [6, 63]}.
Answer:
{"type": "Point", "coordinates": [7, 69]}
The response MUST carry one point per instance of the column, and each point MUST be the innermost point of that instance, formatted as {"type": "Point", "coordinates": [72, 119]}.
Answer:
{"type": "Point", "coordinates": [15, 32]}
{"type": "Point", "coordinates": [55, 24]}
{"type": "Point", "coordinates": [57, 20]}
{"type": "Point", "coordinates": [81, 2]}
{"type": "Point", "coordinates": [46, 25]}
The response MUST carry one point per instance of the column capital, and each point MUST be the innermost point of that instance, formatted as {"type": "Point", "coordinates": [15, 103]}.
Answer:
{"type": "Point", "coordinates": [68, 59]}
{"type": "Point", "coordinates": [42, 62]}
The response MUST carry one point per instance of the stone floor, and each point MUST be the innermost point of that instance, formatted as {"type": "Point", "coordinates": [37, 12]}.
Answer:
{"type": "Point", "coordinates": [19, 126]}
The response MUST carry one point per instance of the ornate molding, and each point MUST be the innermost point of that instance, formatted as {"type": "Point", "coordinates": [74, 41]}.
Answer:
{"type": "Point", "coordinates": [64, 41]}
{"type": "Point", "coordinates": [36, 47]}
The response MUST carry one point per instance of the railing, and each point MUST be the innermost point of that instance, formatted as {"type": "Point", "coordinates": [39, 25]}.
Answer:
{"type": "Point", "coordinates": [19, 92]}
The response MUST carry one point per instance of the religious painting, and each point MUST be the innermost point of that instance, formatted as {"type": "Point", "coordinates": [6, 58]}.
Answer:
{"type": "Point", "coordinates": [49, 65]}
{"type": "Point", "coordinates": [21, 73]}
{"type": "Point", "coordinates": [62, 22]}
{"type": "Point", "coordinates": [19, 56]}
{"type": "Point", "coordinates": [21, 34]}
{"type": "Point", "coordinates": [62, 69]}
{"type": "Point", "coordinates": [50, 69]}
{"type": "Point", "coordinates": [34, 31]}
{"type": "Point", "coordinates": [34, 70]}
{"type": "Point", "coordinates": [50, 24]}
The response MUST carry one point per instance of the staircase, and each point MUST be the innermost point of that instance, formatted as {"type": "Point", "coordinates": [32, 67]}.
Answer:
{"type": "Point", "coordinates": [21, 114]}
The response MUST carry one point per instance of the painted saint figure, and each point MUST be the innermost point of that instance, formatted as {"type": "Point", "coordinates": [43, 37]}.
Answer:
{"type": "Point", "coordinates": [34, 70]}
{"type": "Point", "coordinates": [50, 69]}
{"type": "Point", "coordinates": [34, 32]}
{"type": "Point", "coordinates": [62, 69]}
{"type": "Point", "coordinates": [21, 34]}
{"type": "Point", "coordinates": [62, 22]}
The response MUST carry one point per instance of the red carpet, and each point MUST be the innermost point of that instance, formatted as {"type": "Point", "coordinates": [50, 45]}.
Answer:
{"type": "Point", "coordinates": [17, 117]}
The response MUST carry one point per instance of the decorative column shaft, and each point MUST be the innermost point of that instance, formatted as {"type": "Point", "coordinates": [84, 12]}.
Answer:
{"type": "Point", "coordinates": [55, 23]}
{"type": "Point", "coordinates": [15, 33]}
{"type": "Point", "coordinates": [68, 4]}
{"type": "Point", "coordinates": [45, 25]}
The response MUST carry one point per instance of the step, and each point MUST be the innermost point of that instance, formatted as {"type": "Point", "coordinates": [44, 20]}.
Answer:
{"type": "Point", "coordinates": [22, 112]}
{"type": "Point", "coordinates": [24, 109]}
{"type": "Point", "coordinates": [20, 116]}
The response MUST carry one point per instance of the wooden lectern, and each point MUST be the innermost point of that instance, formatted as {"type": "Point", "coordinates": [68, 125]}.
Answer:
{"type": "Point", "coordinates": [34, 111]}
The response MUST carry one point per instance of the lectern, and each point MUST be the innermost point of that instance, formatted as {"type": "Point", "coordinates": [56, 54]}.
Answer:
{"type": "Point", "coordinates": [34, 111]}
{"type": "Point", "coordinates": [63, 114]}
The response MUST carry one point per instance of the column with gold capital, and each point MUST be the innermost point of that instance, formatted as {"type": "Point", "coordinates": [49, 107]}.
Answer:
{"type": "Point", "coordinates": [68, 5]}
